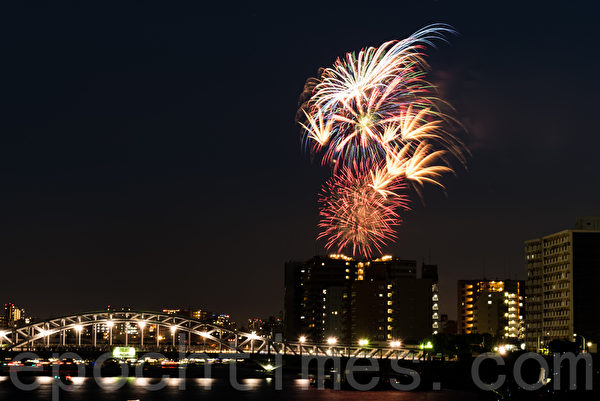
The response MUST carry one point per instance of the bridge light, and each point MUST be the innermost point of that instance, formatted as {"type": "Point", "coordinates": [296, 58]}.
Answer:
{"type": "Point", "coordinates": [395, 344]}
{"type": "Point", "coordinates": [331, 340]}
{"type": "Point", "coordinates": [142, 324]}
{"type": "Point", "coordinates": [204, 334]}
{"type": "Point", "coordinates": [173, 329]}
{"type": "Point", "coordinates": [253, 336]}
{"type": "Point", "coordinates": [78, 327]}
{"type": "Point", "coordinates": [160, 338]}
{"type": "Point", "coordinates": [110, 324]}
{"type": "Point", "coordinates": [302, 339]}
{"type": "Point", "coordinates": [363, 342]}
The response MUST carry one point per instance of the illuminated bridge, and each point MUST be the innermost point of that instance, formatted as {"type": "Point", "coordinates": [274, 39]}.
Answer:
{"type": "Point", "coordinates": [154, 331]}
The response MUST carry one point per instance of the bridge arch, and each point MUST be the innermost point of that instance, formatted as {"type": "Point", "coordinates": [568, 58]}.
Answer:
{"type": "Point", "coordinates": [44, 333]}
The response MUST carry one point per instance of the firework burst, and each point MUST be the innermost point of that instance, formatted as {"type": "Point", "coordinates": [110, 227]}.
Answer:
{"type": "Point", "coordinates": [377, 122]}
{"type": "Point", "coordinates": [355, 214]}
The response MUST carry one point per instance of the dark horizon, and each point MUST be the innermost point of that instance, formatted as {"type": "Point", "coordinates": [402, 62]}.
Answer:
{"type": "Point", "coordinates": [150, 158]}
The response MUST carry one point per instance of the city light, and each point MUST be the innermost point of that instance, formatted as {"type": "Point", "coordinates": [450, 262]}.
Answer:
{"type": "Point", "coordinates": [363, 342]}
{"type": "Point", "coordinates": [302, 339]}
{"type": "Point", "coordinates": [395, 344]}
{"type": "Point", "coordinates": [427, 345]}
{"type": "Point", "coordinates": [160, 338]}
{"type": "Point", "coordinates": [502, 350]}
{"type": "Point", "coordinates": [589, 344]}
{"type": "Point", "coordinates": [331, 340]}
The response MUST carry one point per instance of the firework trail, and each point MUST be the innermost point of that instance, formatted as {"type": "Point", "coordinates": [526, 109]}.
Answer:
{"type": "Point", "coordinates": [377, 123]}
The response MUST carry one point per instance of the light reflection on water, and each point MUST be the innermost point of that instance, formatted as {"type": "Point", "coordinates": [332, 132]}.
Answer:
{"type": "Point", "coordinates": [131, 388]}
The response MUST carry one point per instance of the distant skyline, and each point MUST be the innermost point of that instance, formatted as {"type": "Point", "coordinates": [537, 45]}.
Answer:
{"type": "Point", "coordinates": [149, 154]}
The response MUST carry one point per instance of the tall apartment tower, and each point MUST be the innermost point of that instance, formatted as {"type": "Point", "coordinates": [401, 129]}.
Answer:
{"type": "Point", "coordinates": [12, 316]}
{"type": "Point", "coordinates": [317, 298]}
{"type": "Point", "coordinates": [492, 307]}
{"type": "Point", "coordinates": [380, 300]}
{"type": "Point", "coordinates": [563, 271]}
{"type": "Point", "coordinates": [431, 272]}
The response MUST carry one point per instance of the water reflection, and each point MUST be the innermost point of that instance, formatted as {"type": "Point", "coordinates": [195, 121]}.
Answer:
{"type": "Point", "coordinates": [149, 389]}
{"type": "Point", "coordinates": [205, 383]}
{"type": "Point", "coordinates": [252, 384]}
{"type": "Point", "coordinates": [302, 384]}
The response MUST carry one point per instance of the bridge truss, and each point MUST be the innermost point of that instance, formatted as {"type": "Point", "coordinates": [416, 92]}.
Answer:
{"type": "Point", "coordinates": [156, 331]}
{"type": "Point", "coordinates": [145, 330]}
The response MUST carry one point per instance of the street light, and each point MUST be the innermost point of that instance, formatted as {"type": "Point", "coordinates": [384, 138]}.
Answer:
{"type": "Point", "coordinates": [110, 325]}
{"type": "Point", "coordinates": [302, 340]}
{"type": "Point", "coordinates": [173, 330]}
{"type": "Point", "coordinates": [142, 324]}
{"type": "Point", "coordinates": [583, 342]}
{"type": "Point", "coordinates": [204, 335]}
{"type": "Point", "coordinates": [252, 337]}
{"type": "Point", "coordinates": [78, 329]}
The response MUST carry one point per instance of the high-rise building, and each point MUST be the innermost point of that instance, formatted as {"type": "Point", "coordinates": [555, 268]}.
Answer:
{"type": "Point", "coordinates": [317, 297]}
{"type": "Point", "coordinates": [492, 307]}
{"type": "Point", "coordinates": [431, 272]}
{"type": "Point", "coordinates": [379, 300]}
{"type": "Point", "coordinates": [563, 271]}
{"type": "Point", "coordinates": [12, 316]}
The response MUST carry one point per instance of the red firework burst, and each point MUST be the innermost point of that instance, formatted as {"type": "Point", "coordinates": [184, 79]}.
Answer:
{"type": "Point", "coordinates": [354, 213]}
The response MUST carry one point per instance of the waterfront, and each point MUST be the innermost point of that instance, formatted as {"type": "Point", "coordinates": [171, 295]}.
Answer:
{"type": "Point", "coordinates": [213, 389]}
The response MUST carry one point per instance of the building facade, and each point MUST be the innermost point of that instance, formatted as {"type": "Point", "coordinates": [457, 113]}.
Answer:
{"type": "Point", "coordinates": [12, 316]}
{"type": "Point", "coordinates": [380, 300]}
{"type": "Point", "coordinates": [563, 270]}
{"type": "Point", "coordinates": [493, 307]}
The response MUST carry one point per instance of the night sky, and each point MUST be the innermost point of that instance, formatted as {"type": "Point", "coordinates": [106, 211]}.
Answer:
{"type": "Point", "coordinates": [149, 154]}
